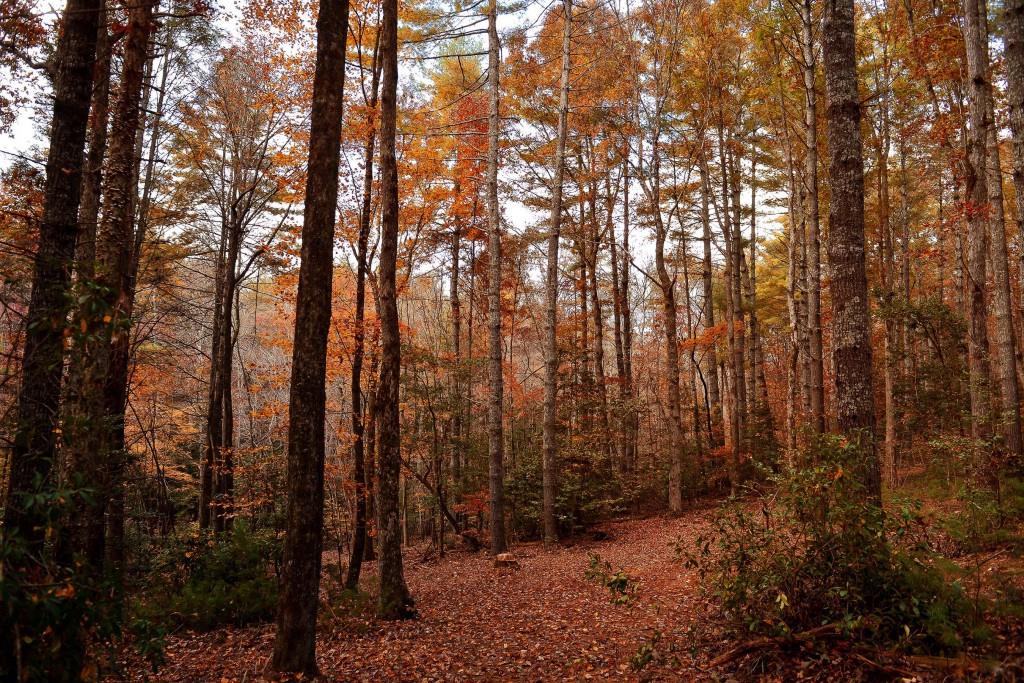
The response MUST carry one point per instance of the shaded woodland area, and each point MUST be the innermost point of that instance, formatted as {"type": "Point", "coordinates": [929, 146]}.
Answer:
{"type": "Point", "coordinates": [358, 339]}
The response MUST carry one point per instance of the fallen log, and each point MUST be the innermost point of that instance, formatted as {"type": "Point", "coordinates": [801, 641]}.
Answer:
{"type": "Point", "coordinates": [778, 642]}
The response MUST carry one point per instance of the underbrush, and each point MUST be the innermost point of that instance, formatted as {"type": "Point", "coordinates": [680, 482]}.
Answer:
{"type": "Point", "coordinates": [818, 553]}
{"type": "Point", "coordinates": [204, 581]}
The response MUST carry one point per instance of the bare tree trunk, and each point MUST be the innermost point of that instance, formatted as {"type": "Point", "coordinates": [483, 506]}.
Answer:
{"type": "Point", "coordinates": [886, 270]}
{"type": "Point", "coordinates": [550, 445]}
{"type": "Point", "coordinates": [495, 442]}
{"type": "Point", "coordinates": [1013, 55]}
{"type": "Point", "coordinates": [394, 600]}
{"type": "Point", "coordinates": [620, 361]}
{"type": "Point", "coordinates": [598, 319]}
{"type": "Point", "coordinates": [632, 426]}
{"type": "Point", "coordinates": [713, 397]}
{"type": "Point", "coordinates": [33, 452]}
{"type": "Point", "coordinates": [214, 431]}
{"type": "Point", "coordinates": [851, 323]}
{"type": "Point", "coordinates": [295, 641]}
{"type": "Point", "coordinates": [92, 180]}
{"type": "Point", "coordinates": [360, 472]}
{"type": "Point", "coordinates": [977, 200]}
{"type": "Point", "coordinates": [811, 213]}
{"type": "Point", "coordinates": [1004, 352]}
{"type": "Point", "coordinates": [666, 283]}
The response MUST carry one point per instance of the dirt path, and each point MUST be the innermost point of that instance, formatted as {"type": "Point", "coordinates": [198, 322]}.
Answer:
{"type": "Point", "coordinates": [544, 621]}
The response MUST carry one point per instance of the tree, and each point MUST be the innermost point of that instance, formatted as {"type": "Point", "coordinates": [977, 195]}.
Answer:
{"type": "Point", "coordinates": [550, 432]}
{"type": "Point", "coordinates": [851, 323]}
{"type": "Point", "coordinates": [295, 641]}
{"type": "Point", "coordinates": [495, 441]}
{"type": "Point", "coordinates": [33, 452]}
{"type": "Point", "coordinates": [394, 601]}
{"type": "Point", "coordinates": [977, 211]}
{"type": "Point", "coordinates": [34, 449]}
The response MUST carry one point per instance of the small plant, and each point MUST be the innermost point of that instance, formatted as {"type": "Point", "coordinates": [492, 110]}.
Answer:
{"type": "Point", "coordinates": [618, 582]}
{"type": "Point", "coordinates": [647, 652]}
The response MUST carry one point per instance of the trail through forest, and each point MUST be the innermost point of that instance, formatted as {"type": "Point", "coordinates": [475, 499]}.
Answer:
{"type": "Point", "coordinates": [542, 621]}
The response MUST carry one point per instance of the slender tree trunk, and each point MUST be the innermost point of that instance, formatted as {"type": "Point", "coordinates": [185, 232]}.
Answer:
{"type": "Point", "coordinates": [1013, 55]}
{"type": "Point", "coordinates": [886, 269]}
{"type": "Point", "coordinates": [976, 209]}
{"type": "Point", "coordinates": [632, 427]}
{"type": "Point", "coordinates": [359, 469]}
{"type": "Point", "coordinates": [1004, 352]}
{"type": "Point", "coordinates": [214, 414]}
{"type": "Point", "coordinates": [851, 323]}
{"type": "Point", "coordinates": [620, 361]}
{"type": "Point", "coordinates": [667, 283]}
{"type": "Point", "coordinates": [811, 212]}
{"type": "Point", "coordinates": [394, 601]}
{"type": "Point", "coordinates": [495, 438]}
{"type": "Point", "coordinates": [594, 240]}
{"type": "Point", "coordinates": [224, 479]}
{"type": "Point", "coordinates": [89, 213]}
{"type": "Point", "coordinates": [295, 641]}
{"type": "Point", "coordinates": [550, 436]}
{"type": "Point", "coordinates": [714, 393]}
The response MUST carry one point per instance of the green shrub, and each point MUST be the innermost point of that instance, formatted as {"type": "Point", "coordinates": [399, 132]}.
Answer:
{"type": "Point", "coordinates": [818, 551]}
{"type": "Point", "coordinates": [989, 516]}
{"type": "Point", "coordinates": [203, 581]}
{"type": "Point", "coordinates": [587, 493]}
{"type": "Point", "coordinates": [619, 584]}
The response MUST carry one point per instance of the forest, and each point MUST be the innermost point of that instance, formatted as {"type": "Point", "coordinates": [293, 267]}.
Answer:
{"type": "Point", "coordinates": [449, 340]}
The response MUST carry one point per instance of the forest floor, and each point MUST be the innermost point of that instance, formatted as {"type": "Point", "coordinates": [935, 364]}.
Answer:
{"type": "Point", "coordinates": [545, 621]}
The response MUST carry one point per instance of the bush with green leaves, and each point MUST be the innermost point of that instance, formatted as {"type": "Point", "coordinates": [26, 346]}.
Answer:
{"type": "Point", "coordinates": [622, 587]}
{"type": "Point", "coordinates": [206, 580]}
{"type": "Point", "coordinates": [817, 550]}
{"type": "Point", "coordinates": [588, 492]}
{"type": "Point", "coordinates": [989, 516]}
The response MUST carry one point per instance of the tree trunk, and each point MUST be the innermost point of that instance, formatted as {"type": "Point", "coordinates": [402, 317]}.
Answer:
{"type": "Point", "coordinates": [550, 436]}
{"type": "Point", "coordinates": [89, 213]}
{"type": "Point", "coordinates": [851, 323]}
{"type": "Point", "coordinates": [394, 601]}
{"type": "Point", "coordinates": [811, 212]}
{"type": "Point", "coordinates": [295, 641]}
{"type": "Point", "coordinates": [714, 392]}
{"type": "Point", "coordinates": [359, 468]}
{"type": "Point", "coordinates": [976, 210]}
{"type": "Point", "coordinates": [1004, 352]}
{"type": "Point", "coordinates": [495, 438]}
{"type": "Point", "coordinates": [1013, 55]}
{"type": "Point", "coordinates": [604, 436]}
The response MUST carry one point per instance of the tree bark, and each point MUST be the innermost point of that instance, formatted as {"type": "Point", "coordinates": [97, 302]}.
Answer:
{"type": "Point", "coordinates": [360, 471]}
{"type": "Point", "coordinates": [1004, 352]}
{"type": "Point", "coordinates": [495, 438]}
{"type": "Point", "coordinates": [295, 641]}
{"type": "Point", "coordinates": [851, 324]}
{"type": "Point", "coordinates": [813, 232]}
{"type": "Point", "coordinates": [394, 600]}
{"type": "Point", "coordinates": [714, 392]}
{"type": "Point", "coordinates": [1013, 55]}
{"type": "Point", "coordinates": [550, 436]}
{"type": "Point", "coordinates": [977, 211]}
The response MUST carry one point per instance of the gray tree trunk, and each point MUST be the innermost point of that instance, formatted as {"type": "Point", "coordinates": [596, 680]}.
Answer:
{"type": "Point", "coordinates": [550, 436]}
{"type": "Point", "coordinates": [851, 322]}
